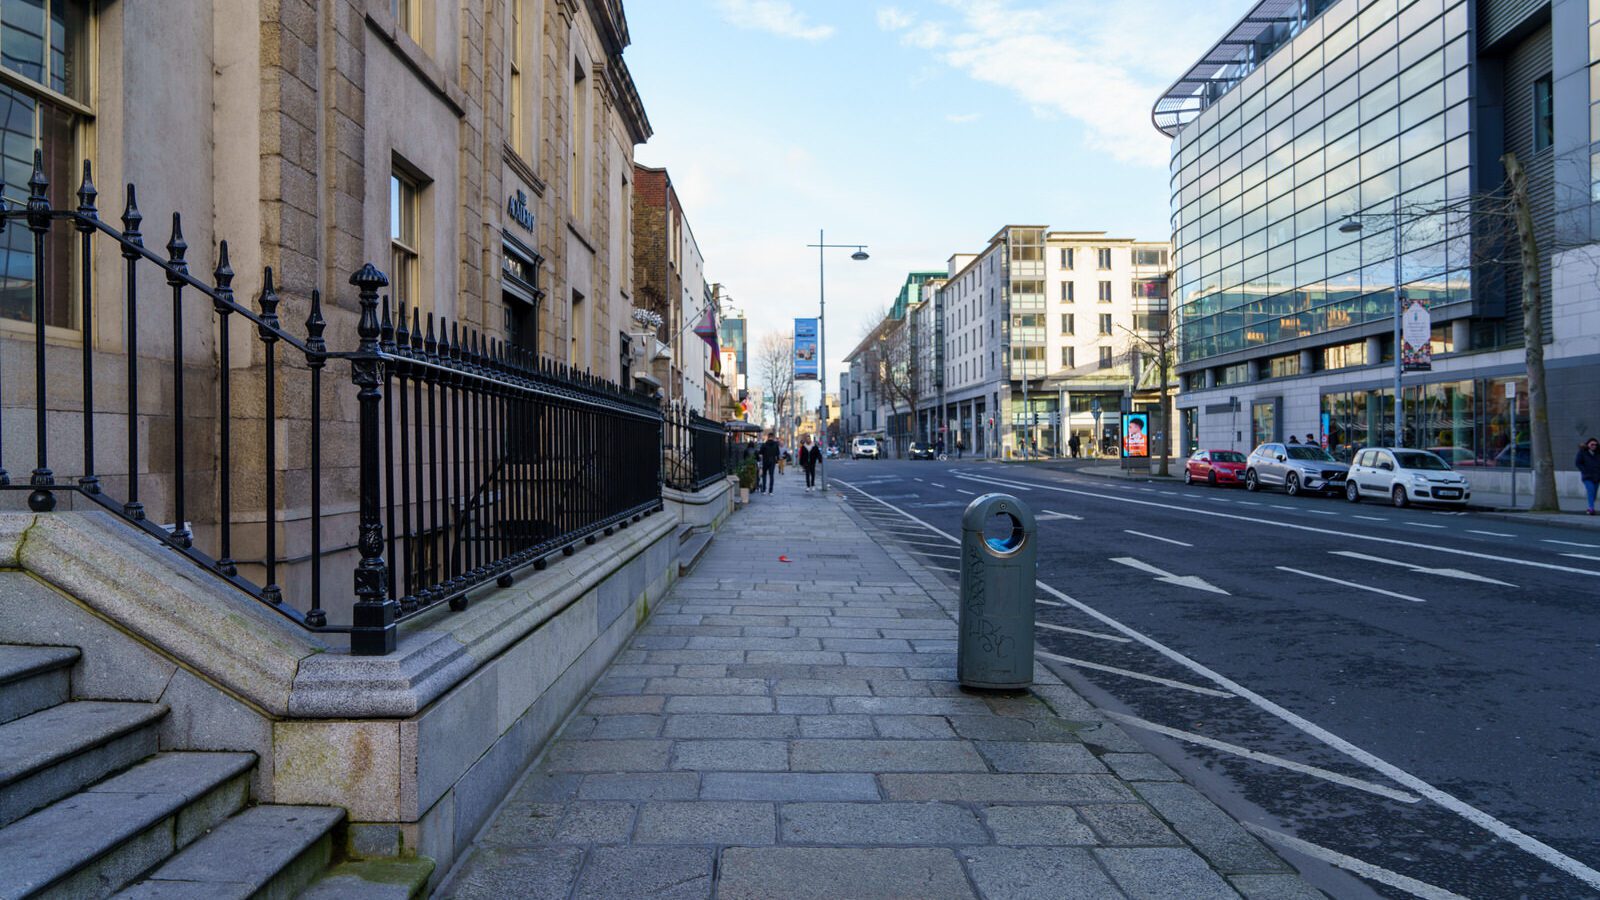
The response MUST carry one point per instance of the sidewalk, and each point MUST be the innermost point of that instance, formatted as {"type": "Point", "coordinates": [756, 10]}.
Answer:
{"type": "Point", "coordinates": [793, 730]}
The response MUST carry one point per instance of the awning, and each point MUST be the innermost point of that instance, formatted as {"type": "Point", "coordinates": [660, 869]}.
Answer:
{"type": "Point", "coordinates": [741, 426]}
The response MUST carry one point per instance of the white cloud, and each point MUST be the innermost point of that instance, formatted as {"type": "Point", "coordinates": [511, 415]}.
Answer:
{"type": "Point", "coordinates": [962, 118]}
{"type": "Point", "coordinates": [1082, 60]}
{"type": "Point", "coordinates": [774, 16]}
{"type": "Point", "coordinates": [892, 18]}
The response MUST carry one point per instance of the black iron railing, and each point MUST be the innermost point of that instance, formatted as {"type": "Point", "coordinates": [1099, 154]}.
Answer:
{"type": "Point", "coordinates": [695, 450]}
{"type": "Point", "coordinates": [471, 459]}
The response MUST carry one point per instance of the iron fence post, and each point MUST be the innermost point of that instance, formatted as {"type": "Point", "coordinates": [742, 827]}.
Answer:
{"type": "Point", "coordinates": [373, 618]}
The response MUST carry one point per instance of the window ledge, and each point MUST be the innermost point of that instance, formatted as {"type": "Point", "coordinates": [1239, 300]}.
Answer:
{"type": "Point", "coordinates": [523, 168]}
{"type": "Point", "coordinates": [416, 58]}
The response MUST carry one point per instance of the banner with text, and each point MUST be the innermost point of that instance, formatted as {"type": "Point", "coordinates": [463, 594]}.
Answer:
{"type": "Point", "coordinates": [1416, 335]}
{"type": "Point", "coordinates": [1135, 435]}
{"type": "Point", "coordinates": [805, 349]}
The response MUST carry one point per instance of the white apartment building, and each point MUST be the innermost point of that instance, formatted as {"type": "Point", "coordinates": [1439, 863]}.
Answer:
{"type": "Point", "coordinates": [1043, 322]}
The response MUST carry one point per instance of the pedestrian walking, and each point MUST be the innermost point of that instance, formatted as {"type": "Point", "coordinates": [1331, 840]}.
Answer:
{"type": "Point", "coordinates": [770, 453]}
{"type": "Point", "coordinates": [1311, 441]}
{"type": "Point", "coordinates": [810, 457]}
{"type": "Point", "coordinates": [1588, 464]}
{"type": "Point", "coordinates": [1293, 441]}
{"type": "Point", "coordinates": [1073, 444]}
{"type": "Point", "coordinates": [961, 447]}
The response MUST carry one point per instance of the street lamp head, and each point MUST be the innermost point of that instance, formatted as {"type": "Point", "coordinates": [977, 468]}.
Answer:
{"type": "Point", "coordinates": [859, 255]}
{"type": "Point", "coordinates": [1350, 226]}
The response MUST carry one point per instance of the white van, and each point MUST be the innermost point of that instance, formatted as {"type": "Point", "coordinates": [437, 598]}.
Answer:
{"type": "Point", "coordinates": [864, 446]}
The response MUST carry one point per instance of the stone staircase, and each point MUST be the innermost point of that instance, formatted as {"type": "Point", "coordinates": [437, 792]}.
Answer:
{"type": "Point", "coordinates": [90, 807]}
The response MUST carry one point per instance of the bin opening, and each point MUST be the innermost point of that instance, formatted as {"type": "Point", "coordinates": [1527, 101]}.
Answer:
{"type": "Point", "coordinates": [1003, 533]}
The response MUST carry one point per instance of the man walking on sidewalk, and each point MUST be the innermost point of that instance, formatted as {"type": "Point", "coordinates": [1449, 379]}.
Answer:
{"type": "Point", "coordinates": [770, 452]}
{"type": "Point", "coordinates": [810, 455]}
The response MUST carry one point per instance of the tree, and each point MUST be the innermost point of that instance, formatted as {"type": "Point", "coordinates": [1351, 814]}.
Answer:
{"type": "Point", "coordinates": [890, 361]}
{"type": "Point", "coordinates": [1156, 350]}
{"type": "Point", "coordinates": [1544, 468]}
{"type": "Point", "coordinates": [775, 367]}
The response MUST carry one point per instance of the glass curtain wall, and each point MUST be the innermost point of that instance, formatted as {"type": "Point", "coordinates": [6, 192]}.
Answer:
{"type": "Point", "coordinates": [1469, 423]}
{"type": "Point", "coordinates": [1356, 108]}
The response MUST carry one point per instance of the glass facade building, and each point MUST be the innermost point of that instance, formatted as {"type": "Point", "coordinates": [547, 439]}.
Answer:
{"type": "Point", "coordinates": [1359, 105]}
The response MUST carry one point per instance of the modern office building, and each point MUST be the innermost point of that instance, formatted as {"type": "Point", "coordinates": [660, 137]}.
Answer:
{"type": "Point", "coordinates": [1310, 118]}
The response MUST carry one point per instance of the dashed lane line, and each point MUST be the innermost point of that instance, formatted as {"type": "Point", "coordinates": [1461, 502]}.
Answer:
{"type": "Point", "coordinates": [1129, 673]}
{"type": "Point", "coordinates": [1362, 587]}
{"type": "Point", "coordinates": [1155, 537]}
{"type": "Point", "coordinates": [1372, 518]}
{"type": "Point", "coordinates": [1267, 758]}
{"type": "Point", "coordinates": [1349, 863]}
{"type": "Point", "coordinates": [968, 493]}
{"type": "Point", "coordinates": [1573, 544]}
{"type": "Point", "coordinates": [1490, 533]}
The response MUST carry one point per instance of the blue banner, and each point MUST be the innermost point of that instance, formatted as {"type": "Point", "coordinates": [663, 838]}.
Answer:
{"type": "Point", "coordinates": [805, 350]}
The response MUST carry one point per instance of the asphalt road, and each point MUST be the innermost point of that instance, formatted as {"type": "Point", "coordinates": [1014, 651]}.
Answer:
{"type": "Point", "coordinates": [1402, 701]}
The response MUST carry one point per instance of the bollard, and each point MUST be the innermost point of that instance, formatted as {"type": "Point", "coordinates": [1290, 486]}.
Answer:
{"type": "Point", "coordinates": [995, 646]}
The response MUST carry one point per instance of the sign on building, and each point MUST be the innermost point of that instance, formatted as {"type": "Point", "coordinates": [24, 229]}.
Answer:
{"type": "Point", "coordinates": [1416, 335]}
{"type": "Point", "coordinates": [805, 349]}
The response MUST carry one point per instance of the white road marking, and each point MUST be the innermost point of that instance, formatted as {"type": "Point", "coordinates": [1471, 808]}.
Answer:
{"type": "Point", "coordinates": [1582, 556]}
{"type": "Point", "coordinates": [1373, 518]}
{"type": "Point", "coordinates": [1321, 512]}
{"type": "Point", "coordinates": [1128, 673]}
{"type": "Point", "coordinates": [1365, 869]}
{"type": "Point", "coordinates": [1447, 573]}
{"type": "Point", "coordinates": [1490, 533]}
{"type": "Point", "coordinates": [1282, 506]}
{"type": "Point", "coordinates": [1154, 537]}
{"type": "Point", "coordinates": [1363, 587]}
{"type": "Point", "coordinates": [1251, 503]}
{"type": "Point", "coordinates": [1295, 526]}
{"type": "Point", "coordinates": [1079, 631]}
{"type": "Point", "coordinates": [1051, 516]}
{"type": "Point", "coordinates": [936, 484]}
{"type": "Point", "coordinates": [1267, 758]}
{"type": "Point", "coordinates": [1190, 581]}
{"type": "Point", "coordinates": [1517, 838]}
{"type": "Point", "coordinates": [1423, 525]}
{"type": "Point", "coordinates": [1573, 544]}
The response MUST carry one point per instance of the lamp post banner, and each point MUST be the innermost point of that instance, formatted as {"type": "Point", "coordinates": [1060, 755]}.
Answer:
{"type": "Point", "coordinates": [1416, 336]}
{"type": "Point", "coordinates": [805, 349]}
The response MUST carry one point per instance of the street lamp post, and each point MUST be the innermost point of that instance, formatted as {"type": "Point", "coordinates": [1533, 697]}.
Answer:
{"type": "Point", "coordinates": [822, 340]}
{"type": "Point", "coordinates": [1352, 226]}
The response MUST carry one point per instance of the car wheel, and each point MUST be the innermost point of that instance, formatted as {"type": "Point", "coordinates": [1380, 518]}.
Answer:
{"type": "Point", "coordinates": [1188, 476]}
{"type": "Point", "coordinates": [1211, 478]}
{"type": "Point", "coordinates": [1251, 483]}
{"type": "Point", "coordinates": [1291, 485]}
{"type": "Point", "coordinates": [1351, 492]}
{"type": "Point", "coordinates": [1398, 495]}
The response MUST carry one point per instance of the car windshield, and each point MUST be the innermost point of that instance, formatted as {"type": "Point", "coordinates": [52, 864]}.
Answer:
{"type": "Point", "coordinates": [1301, 451]}
{"type": "Point", "coordinates": [867, 442]}
{"type": "Point", "coordinates": [1227, 456]}
{"type": "Point", "coordinates": [1416, 459]}
{"type": "Point", "coordinates": [918, 445]}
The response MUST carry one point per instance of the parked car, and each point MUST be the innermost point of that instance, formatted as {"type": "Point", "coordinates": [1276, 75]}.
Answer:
{"type": "Point", "coordinates": [1295, 468]}
{"type": "Point", "coordinates": [923, 450]}
{"type": "Point", "coordinates": [864, 447]}
{"type": "Point", "coordinates": [1405, 477]}
{"type": "Point", "coordinates": [1214, 467]}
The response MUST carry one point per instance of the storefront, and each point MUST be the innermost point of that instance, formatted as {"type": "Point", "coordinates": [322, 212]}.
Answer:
{"type": "Point", "coordinates": [520, 293]}
{"type": "Point", "coordinates": [1470, 423]}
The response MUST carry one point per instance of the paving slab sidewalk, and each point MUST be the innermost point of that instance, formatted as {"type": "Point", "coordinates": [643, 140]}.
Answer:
{"type": "Point", "coordinates": [794, 730]}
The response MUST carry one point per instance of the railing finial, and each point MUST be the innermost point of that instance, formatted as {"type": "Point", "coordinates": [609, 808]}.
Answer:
{"type": "Point", "coordinates": [315, 324]}
{"type": "Point", "coordinates": [86, 197]}
{"type": "Point", "coordinates": [131, 217]}
{"type": "Point", "coordinates": [177, 246]}
{"type": "Point", "coordinates": [38, 198]}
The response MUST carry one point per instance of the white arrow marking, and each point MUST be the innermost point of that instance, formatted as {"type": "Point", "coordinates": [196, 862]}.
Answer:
{"type": "Point", "coordinates": [1052, 515]}
{"type": "Point", "coordinates": [1446, 573]}
{"type": "Point", "coordinates": [1190, 581]}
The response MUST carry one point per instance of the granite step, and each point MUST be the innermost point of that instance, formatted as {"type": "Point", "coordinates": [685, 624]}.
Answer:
{"type": "Point", "coordinates": [55, 752]}
{"type": "Point", "coordinates": [33, 678]}
{"type": "Point", "coordinates": [691, 549]}
{"type": "Point", "coordinates": [373, 879]}
{"type": "Point", "coordinates": [263, 852]}
{"type": "Point", "coordinates": [93, 843]}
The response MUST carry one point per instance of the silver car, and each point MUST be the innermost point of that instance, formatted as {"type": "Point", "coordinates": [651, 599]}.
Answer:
{"type": "Point", "coordinates": [1295, 468]}
{"type": "Point", "coordinates": [1405, 476]}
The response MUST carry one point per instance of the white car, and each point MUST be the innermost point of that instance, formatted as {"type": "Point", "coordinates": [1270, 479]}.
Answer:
{"type": "Point", "coordinates": [1405, 477]}
{"type": "Point", "coordinates": [864, 446]}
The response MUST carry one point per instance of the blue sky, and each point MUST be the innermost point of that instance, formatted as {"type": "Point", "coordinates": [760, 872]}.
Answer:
{"type": "Point", "coordinates": [917, 127]}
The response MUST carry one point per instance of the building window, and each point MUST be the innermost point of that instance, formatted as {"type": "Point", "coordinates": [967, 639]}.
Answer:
{"type": "Point", "coordinates": [405, 282]}
{"type": "Point", "coordinates": [1544, 115]}
{"type": "Point", "coordinates": [1066, 258]}
{"type": "Point", "coordinates": [578, 141]}
{"type": "Point", "coordinates": [1068, 358]}
{"type": "Point", "coordinates": [408, 17]}
{"type": "Point", "coordinates": [1102, 257]}
{"type": "Point", "coordinates": [1283, 366]}
{"type": "Point", "coordinates": [1066, 292]}
{"type": "Point", "coordinates": [515, 123]}
{"type": "Point", "coordinates": [1066, 323]}
{"type": "Point", "coordinates": [1149, 257]}
{"type": "Point", "coordinates": [44, 48]}
{"type": "Point", "coordinates": [1345, 356]}
{"type": "Point", "coordinates": [1105, 357]}
{"type": "Point", "coordinates": [1105, 323]}
{"type": "Point", "coordinates": [1105, 292]}
{"type": "Point", "coordinates": [578, 333]}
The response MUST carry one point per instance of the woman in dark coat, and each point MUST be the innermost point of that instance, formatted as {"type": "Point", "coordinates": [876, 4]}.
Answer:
{"type": "Point", "coordinates": [1588, 466]}
{"type": "Point", "coordinates": [810, 458]}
